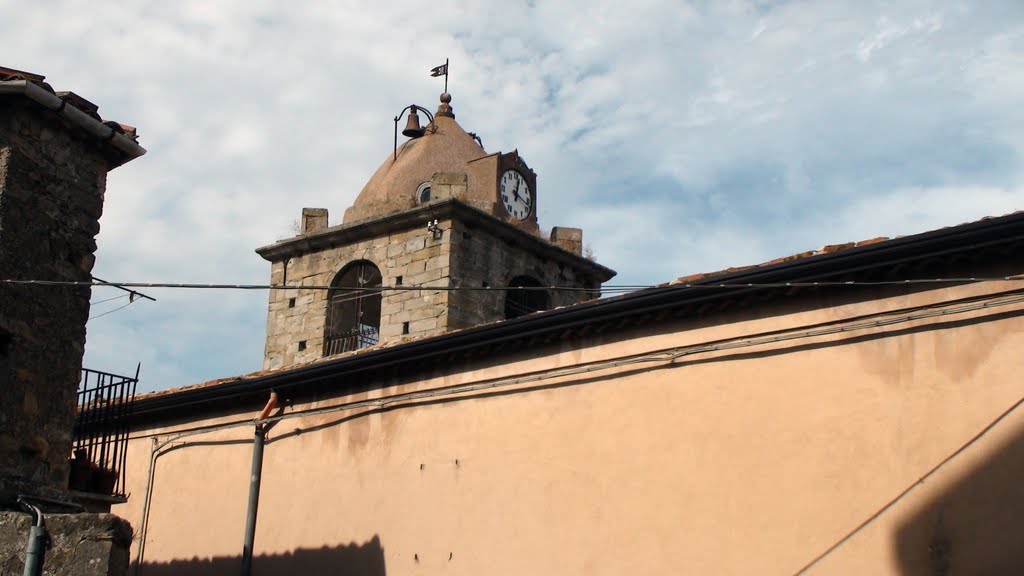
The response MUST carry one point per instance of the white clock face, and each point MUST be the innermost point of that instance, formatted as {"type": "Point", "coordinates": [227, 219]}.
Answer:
{"type": "Point", "coordinates": [516, 195]}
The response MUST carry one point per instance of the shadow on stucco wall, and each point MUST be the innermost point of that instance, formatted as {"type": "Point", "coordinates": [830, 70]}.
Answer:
{"type": "Point", "coordinates": [976, 526]}
{"type": "Point", "coordinates": [360, 559]}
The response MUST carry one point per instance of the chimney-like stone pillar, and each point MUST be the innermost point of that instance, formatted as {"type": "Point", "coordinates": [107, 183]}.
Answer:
{"type": "Point", "coordinates": [570, 239]}
{"type": "Point", "coordinates": [313, 220]}
{"type": "Point", "coordinates": [53, 176]}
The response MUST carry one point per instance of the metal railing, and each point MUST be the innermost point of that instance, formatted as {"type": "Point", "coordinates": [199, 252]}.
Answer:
{"type": "Point", "coordinates": [361, 336]}
{"type": "Point", "coordinates": [105, 403]}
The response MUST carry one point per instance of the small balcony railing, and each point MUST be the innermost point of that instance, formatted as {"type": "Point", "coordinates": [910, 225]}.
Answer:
{"type": "Point", "coordinates": [361, 336]}
{"type": "Point", "coordinates": [105, 403]}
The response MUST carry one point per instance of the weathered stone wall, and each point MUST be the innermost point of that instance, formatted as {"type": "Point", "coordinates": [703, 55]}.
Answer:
{"type": "Point", "coordinates": [52, 182]}
{"type": "Point", "coordinates": [297, 318]}
{"type": "Point", "coordinates": [83, 544]}
{"type": "Point", "coordinates": [481, 259]}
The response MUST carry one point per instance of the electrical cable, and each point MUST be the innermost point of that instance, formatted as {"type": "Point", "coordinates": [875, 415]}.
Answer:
{"type": "Point", "coordinates": [112, 311]}
{"type": "Point", "coordinates": [108, 299]}
{"type": "Point", "coordinates": [888, 505]}
{"type": "Point", "coordinates": [602, 289]}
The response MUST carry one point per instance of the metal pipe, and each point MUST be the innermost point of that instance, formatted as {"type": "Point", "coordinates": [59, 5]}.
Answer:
{"type": "Point", "coordinates": [145, 507]}
{"type": "Point", "coordinates": [38, 540]}
{"type": "Point", "coordinates": [254, 484]}
{"type": "Point", "coordinates": [254, 498]}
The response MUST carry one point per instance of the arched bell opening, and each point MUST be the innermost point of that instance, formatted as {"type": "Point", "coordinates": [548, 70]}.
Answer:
{"type": "Point", "coordinates": [353, 309]}
{"type": "Point", "coordinates": [525, 295]}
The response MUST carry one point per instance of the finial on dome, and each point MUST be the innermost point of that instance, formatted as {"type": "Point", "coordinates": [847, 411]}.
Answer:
{"type": "Point", "coordinates": [445, 108]}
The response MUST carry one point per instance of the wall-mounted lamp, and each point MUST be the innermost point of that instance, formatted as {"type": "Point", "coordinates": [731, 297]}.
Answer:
{"type": "Point", "coordinates": [412, 125]}
{"type": "Point", "coordinates": [435, 229]}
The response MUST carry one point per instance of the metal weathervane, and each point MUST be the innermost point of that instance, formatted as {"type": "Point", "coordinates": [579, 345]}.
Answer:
{"type": "Point", "coordinates": [413, 129]}
{"type": "Point", "coordinates": [441, 70]}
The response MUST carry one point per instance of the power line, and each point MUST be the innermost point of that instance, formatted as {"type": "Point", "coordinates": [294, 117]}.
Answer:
{"type": "Point", "coordinates": [131, 293]}
{"type": "Point", "coordinates": [130, 302]}
{"type": "Point", "coordinates": [603, 289]}
{"type": "Point", "coordinates": [910, 488]}
{"type": "Point", "coordinates": [108, 300]}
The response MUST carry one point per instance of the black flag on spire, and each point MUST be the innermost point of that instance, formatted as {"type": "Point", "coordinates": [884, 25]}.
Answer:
{"type": "Point", "coordinates": [441, 70]}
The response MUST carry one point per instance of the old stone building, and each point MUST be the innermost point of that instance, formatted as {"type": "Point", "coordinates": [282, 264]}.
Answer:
{"type": "Point", "coordinates": [55, 152]}
{"type": "Point", "coordinates": [439, 214]}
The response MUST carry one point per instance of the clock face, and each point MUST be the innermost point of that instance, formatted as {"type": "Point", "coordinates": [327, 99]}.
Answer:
{"type": "Point", "coordinates": [516, 195]}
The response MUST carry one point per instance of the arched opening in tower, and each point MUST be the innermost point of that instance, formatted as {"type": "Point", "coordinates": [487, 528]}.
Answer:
{"type": "Point", "coordinates": [353, 310]}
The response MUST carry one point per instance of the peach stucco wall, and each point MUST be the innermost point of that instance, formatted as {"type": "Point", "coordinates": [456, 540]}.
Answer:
{"type": "Point", "coordinates": [755, 460]}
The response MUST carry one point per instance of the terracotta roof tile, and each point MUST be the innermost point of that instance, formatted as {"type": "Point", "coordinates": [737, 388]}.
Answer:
{"type": "Point", "coordinates": [12, 74]}
{"type": "Point", "coordinates": [75, 100]}
{"type": "Point", "coordinates": [829, 249]}
{"type": "Point", "coordinates": [873, 241]}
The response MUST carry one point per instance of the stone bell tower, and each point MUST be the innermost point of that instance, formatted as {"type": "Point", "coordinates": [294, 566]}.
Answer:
{"type": "Point", "coordinates": [443, 236]}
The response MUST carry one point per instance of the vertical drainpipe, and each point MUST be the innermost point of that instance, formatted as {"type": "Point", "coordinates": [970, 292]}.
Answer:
{"type": "Point", "coordinates": [38, 540]}
{"type": "Point", "coordinates": [254, 484]}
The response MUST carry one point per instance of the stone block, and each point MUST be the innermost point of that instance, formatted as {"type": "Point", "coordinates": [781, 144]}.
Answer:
{"type": "Point", "coordinates": [313, 220]}
{"type": "Point", "coordinates": [391, 330]}
{"type": "Point", "coordinates": [422, 325]}
{"type": "Point", "coordinates": [395, 249]}
{"type": "Point", "coordinates": [81, 544]}
{"type": "Point", "coordinates": [436, 263]}
{"type": "Point", "coordinates": [449, 178]}
{"type": "Point", "coordinates": [413, 268]}
{"type": "Point", "coordinates": [426, 253]}
{"type": "Point", "coordinates": [415, 244]}
{"type": "Point", "coordinates": [570, 239]}
{"type": "Point", "coordinates": [424, 277]}
{"type": "Point", "coordinates": [440, 191]}
{"type": "Point", "coordinates": [427, 312]}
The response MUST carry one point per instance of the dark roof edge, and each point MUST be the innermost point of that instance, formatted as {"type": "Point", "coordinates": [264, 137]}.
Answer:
{"type": "Point", "coordinates": [126, 148]}
{"type": "Point", "coordinates": [417, 218]}
{"type": "Point", "coordinates": [962, 238]}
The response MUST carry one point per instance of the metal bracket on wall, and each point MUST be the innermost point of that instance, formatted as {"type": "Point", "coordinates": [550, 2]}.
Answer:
{"type": "Point", "coordinates": [435, 229]}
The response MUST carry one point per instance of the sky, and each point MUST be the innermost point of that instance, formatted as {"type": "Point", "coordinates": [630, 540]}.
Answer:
{"type": "Point", "coordinates": [683, 137]}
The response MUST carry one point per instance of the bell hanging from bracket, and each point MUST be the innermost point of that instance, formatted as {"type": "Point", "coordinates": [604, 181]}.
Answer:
{"type": "Point", "coordinates": [412, 125]}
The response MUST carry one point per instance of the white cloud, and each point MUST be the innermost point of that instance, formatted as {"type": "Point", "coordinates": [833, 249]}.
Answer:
{"type": "Point", "coordinates": [683, 137]}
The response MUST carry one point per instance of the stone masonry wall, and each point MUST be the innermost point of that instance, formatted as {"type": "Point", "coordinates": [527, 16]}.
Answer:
{"type": "Point", "coordinates": [82, 544]}
{"type": "Point", "coordinates": [462, 255]}
{"type": "Point", "coordinates": [52, 183]}
{"type": "Point", "coordinates": [480, 258]}
{"type": "Point", "coordinates": [420, 258]}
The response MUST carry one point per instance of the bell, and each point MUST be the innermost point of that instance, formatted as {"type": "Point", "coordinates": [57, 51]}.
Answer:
{"type": "Point", "coordinates": [412, 126]}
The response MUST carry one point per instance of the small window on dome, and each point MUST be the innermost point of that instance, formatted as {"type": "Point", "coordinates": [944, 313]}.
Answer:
{"type": "Point", "coordinates": [423, 193]}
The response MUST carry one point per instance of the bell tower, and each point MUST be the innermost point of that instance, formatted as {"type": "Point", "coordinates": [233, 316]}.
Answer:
{"type": "Point", "coordinates": [443, 236]}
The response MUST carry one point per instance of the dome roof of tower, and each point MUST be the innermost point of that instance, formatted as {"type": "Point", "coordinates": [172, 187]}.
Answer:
{"type": "Point", "coordinates": [445, 147]}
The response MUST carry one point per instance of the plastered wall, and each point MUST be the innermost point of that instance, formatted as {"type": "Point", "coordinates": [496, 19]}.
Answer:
{"type": "Point", "coordinates": [888, 447]}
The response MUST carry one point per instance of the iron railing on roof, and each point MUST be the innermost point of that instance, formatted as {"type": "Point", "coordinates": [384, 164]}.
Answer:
{"type": "Point", "coordinates": [361, 336]}
{"type": "Point", "coordinates": [105, 403]}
